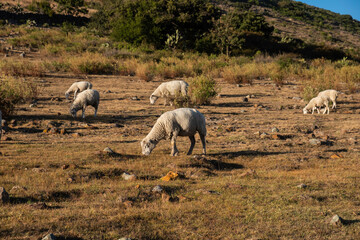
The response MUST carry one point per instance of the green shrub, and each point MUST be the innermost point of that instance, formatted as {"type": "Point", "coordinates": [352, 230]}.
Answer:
{"type": "Point", "coordinates": [202, 89]}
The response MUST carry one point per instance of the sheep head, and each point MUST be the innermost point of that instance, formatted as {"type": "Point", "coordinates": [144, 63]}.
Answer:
{"type": "Point", "coordinates": [305, 111]}
{"type": "Point", "coordinates": [147, 145]}
{"type": "Point", "coordinates": [73, 111]}
{"type": "Point", "coordinates": [153, 99]}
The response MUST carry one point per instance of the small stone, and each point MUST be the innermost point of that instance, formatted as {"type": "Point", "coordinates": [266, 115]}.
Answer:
{"type": "Point", "coordinates": [40, 205]}
{"type": "Point", "coordinates": [38, 170]}
{"type": "Point", "coordinates": [157, 189]}
{"type": "Point", "coordinates": [275, 136]}
{"type": "Point", "coordinates": [128, 177]}
{"type": "Point", "coordinates": [135, 98]}
{"type": "Point", "coordinates": [16, 189]}
{"type": "Point", "coordinates": [118, 125]}
{"type": "Point", "coordinates": [76, 135]}
{"type": "Point", "coordinates": [238, 85]}
{"type": "Point", "coordinates": [297, 98]}
{"type": "Point", "coordinates": [245, 99]}
{"type": "Point", "coordinates": [4, 196]}
{"type": "Point", "coordinates": [315, 141]}
{"type": "Point", "coordinates": [170, 176]}
{"type": "Point", "coordinates": [108, 150]}
{"type": "Point", "coordinates": [264, 135]}
{"type": "Point", "coordinates": [70, 180]}
{"type": "Point", "coordinates": [165, 197]}
{"type": "Point", "coordinates": [302, 186]}
{"type": "Point", "coordinates": [33, 105]}
{"type": "Point", "coordinates": [274, 129]}
{"type": "Point", "coordinates": [53, 130]}
{"type": "Point", "coordinates": [336, 156]}
{"type": "Point", "coordinates": [249, 172]}
{"type": "Point", "coordinates": [124, 238]}
{"type": "Point", "coordinates": [50, 236]}
{"type": "Point", "coordinates": [336, 220]}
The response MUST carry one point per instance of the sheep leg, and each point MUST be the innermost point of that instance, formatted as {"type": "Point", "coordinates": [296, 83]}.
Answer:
{"type": "Point", "coordinates": [174, 150]}
{"type": "Point", "coordinates": [334, 105]}
{"type": "Point", "coordinates": [203, 141]}
{"type": "Point", "coordinates": [192, 140]}
{"type": "Point", "coordinates": [83, 112]}
{"type": "Point", "coordinates": [95, 111]}
{"type": "Point", "coordinates": [75, 93]}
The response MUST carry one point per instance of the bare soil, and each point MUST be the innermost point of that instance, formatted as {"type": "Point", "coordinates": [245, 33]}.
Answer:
{"type": "Point", "coordinates": [244, 188]}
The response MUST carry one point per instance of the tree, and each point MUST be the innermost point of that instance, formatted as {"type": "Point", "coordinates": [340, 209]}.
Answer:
{"type": "Point", "coordinates": [72, 7]}
{"type": "Point", "coordinates": [151, 21]}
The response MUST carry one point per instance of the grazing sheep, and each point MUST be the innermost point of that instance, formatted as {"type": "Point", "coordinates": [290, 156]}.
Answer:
{"type": "Point", "coordinates": [169, 90]}
{"type": "Point", "coordinates": [88, 97]}
{"type": "Point", "coordinates": [179, 122]}
{"type": "Point", "coordinates": [77, 87]}
{"type": "Point", "coordinates": [316, 103]}
{"type": "Point", "coordinates": [330, 94]}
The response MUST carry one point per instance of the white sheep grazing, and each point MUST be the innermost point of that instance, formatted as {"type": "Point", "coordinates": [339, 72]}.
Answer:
{"type": "Point", "coordinates": [86, 98]}
{"type": "Point", "coordinates": [179, 122]}
{"type": "Point", "coordinates": [77, 87]}
{"type": "Point", "coordinates": [330, 94]}
{"type": "Point", "coordinates": [169, 90]}
{"type": "Point", "coordinates": [316, 103]}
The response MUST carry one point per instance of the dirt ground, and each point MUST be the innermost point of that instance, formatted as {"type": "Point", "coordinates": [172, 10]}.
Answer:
{"type": "Point", "coordinates": [244, 188]}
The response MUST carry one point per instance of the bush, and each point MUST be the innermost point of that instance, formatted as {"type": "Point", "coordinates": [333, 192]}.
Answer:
{"type": "Point", "coordinates": [90, 63]}
{"type": "Point", "coordinates": [22, 68]}
{"type": "Point", "coordinates": [13, 91]}
{"type": "Point", "coordinates": [202, 89]}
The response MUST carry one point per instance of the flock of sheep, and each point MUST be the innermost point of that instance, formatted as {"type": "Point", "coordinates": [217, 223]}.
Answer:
{"type": "Point", "coordinates": [179, 122]}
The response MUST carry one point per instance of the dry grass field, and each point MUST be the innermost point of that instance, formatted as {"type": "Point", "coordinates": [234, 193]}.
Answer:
{"type": "Point", "coordinates": [246, 187]}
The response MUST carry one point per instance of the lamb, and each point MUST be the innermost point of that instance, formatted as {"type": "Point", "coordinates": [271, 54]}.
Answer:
{"type": "Point", "coordinates": [77, 87]}
{"type": "Point", "coordinates": [179, 122]}
{"type": "Point", "coordinates": [316, 103]}
{"type": "Point", "coordinates": [88, 97]}
{"type": "Point", "coordinates": [169, 90]}
{"type": "Point", "coordinates": [330, 94]}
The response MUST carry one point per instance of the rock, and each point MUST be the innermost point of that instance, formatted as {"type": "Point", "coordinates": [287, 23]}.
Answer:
{"type": "Point", "coordinates": [275, 129]}
{"type": "Point", "coordinates": [50, 236]}
{"type": "Point", "coordinates": [124, 238]}
{"type": "Point", "coordinates": [275, 136]}
{"type": "Point", "coordinates": [108, 150]}
{"type": "Point", "coordinates": [264, 135]}
{"type": "Point", "coordinates": [4, 196]}
{"type": "Point", "coordinates": [315, 142]}
{"type": "Point", "coordinates": [170, 176]}
{"type": "Point", "coordinates": [302, 186]}
{"type": "Point", "coordinates": [336, 220]}
{"type": "Point", "coordinates": [135, 98]}
{"type": "Point", "coordinates": [118, 125]}
{"type": "Point", "coordinates": [157, 189]}
{"type": "Point", "coordinates": [245, 99]}
{"type": "Point", "coordinates": [165, 197]}
{"type": "Point", "coordinates": [40, 205]}
{"type": "Point", "coordinates": [38, 170]}
{"type": "Point", "coordinates": [238, 85]}
{"type": "Point", "coordinates": [336, 156]}
{"type": "Point", "coordinates": [128, 177]}
{"type": "Point", "coordinates": [16, 189]}
{"type": "Point", "coordinates": [32, 105]}
{"type": "Point", "coordinates": [76, 135]}
{"type": "Point", "coordinates": [249, 172]}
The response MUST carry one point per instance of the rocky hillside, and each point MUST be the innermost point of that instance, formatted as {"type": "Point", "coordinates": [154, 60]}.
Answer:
{"type": "Point", "coordinates": [295, 20]}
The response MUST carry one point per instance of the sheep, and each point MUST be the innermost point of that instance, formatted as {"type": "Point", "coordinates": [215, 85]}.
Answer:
{"type": "Point", "coordinates": [330, 94]}
{"type": "Point", "coordinates": [88, 97]}
{"type": "Point", "coordinates": [77, 87]}
{"type": "Point", "coordinates": [179, 122]}
{"type": "Point", "coordinates": [169, 90]}
{"type": "Point", "coordinates": [316, 103]}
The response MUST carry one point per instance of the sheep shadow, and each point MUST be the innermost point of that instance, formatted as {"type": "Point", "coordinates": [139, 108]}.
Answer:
{"type": "Point", "coordinates": [211, 164]}
{"type": "Point", "coordinates": [231, 155]}
{"type": "Point", "coordinates": [232, 104]}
